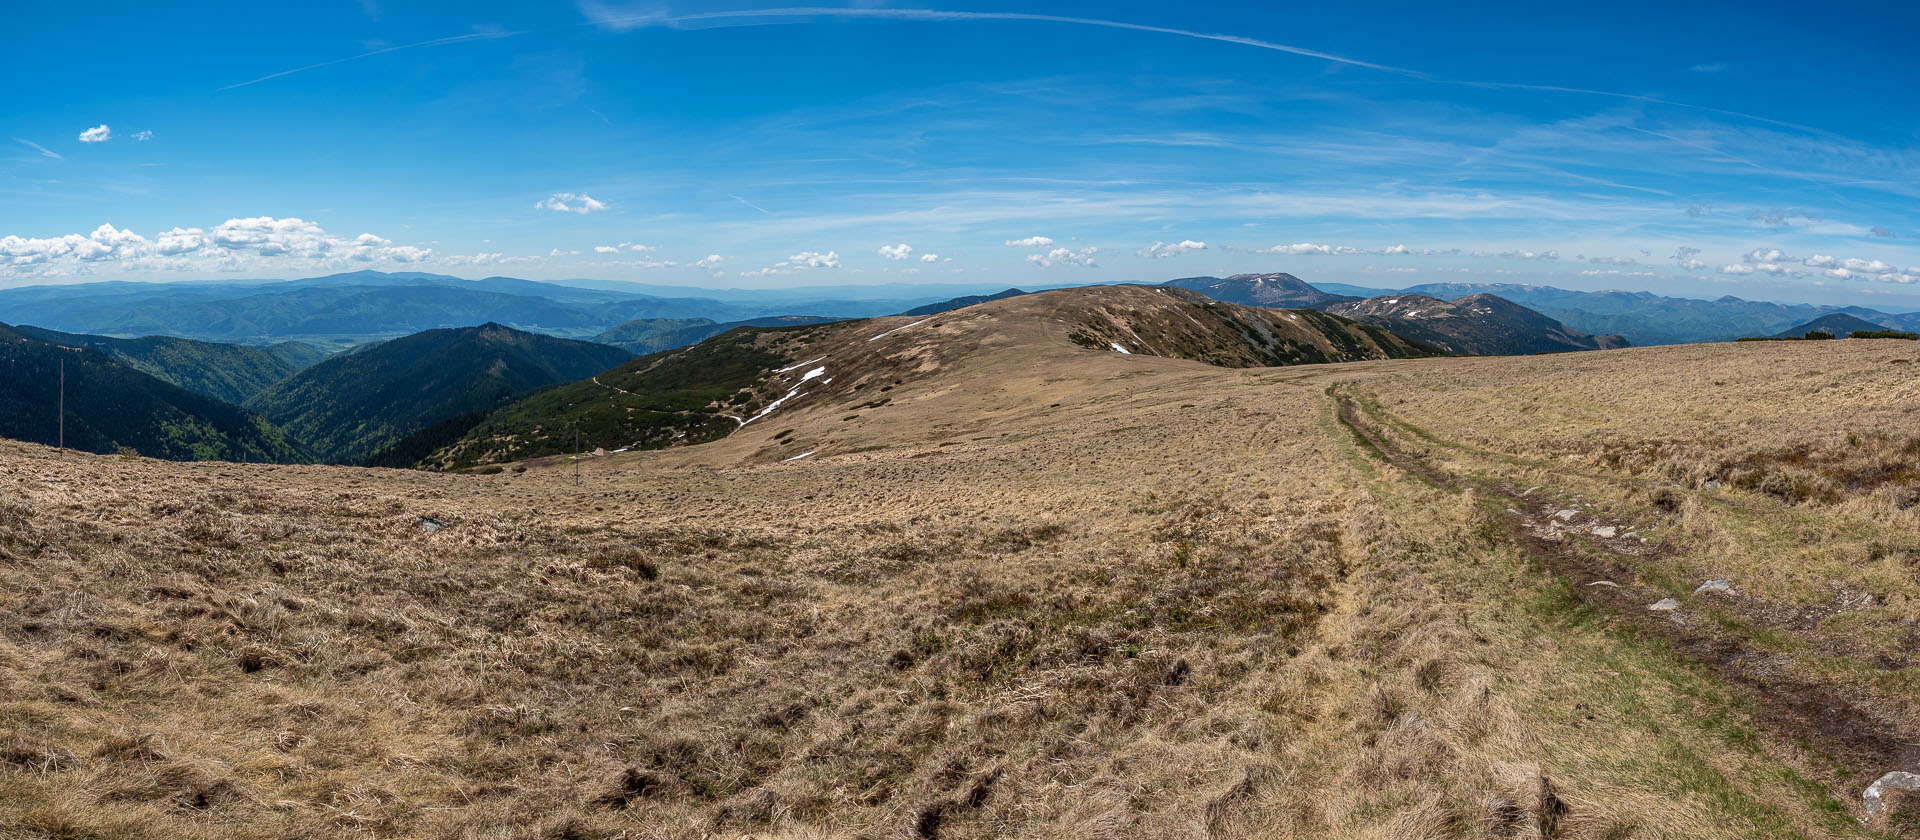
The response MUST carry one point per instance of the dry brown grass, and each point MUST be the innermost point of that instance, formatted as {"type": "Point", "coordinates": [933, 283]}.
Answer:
{"type": "Point", "coordinates": [1047, 593]}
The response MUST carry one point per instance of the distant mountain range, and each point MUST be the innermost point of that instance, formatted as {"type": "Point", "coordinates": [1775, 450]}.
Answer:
{"type": "Point", "coordinates": [1477, 325]}
{"type": "Point", "coordinates": [1644, 318]}
{"type": "Point", "coordinates": [351, 407]}
{"type": "Point", "coordinates": [109, 405]}
{"type": "Point", "coordinates": [337, 311]}
{"type": "Point", "coordinates": [343, 309]}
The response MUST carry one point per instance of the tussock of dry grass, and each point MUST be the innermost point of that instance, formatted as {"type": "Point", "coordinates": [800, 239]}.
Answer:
{"type": "Point", "coordinates": [1180, 604]}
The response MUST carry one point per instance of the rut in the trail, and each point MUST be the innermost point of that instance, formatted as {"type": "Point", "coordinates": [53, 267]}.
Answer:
{"type": "Point", "coordinates": [1537, 522]}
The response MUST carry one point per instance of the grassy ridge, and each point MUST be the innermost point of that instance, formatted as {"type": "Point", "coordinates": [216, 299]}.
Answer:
{"type": "Point", "coordinates": [687, 395]}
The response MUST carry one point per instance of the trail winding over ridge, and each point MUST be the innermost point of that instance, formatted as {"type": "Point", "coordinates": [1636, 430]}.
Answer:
{"type": "Point", "coordinates": [1567, 541]}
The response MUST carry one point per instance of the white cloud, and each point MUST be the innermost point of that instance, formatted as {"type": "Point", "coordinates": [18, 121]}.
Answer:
{"type": "Point", "coordinates": [559, 253]}
{"type": "Point", "coordinates": [927, 258]}
{"type": "Point", "coordinates": [1161, 250]}
{"type": "Point", "coordinates": [142, 136]}
{"type": "Point", "coordinates": [1031, 242]}
{"type": "Point", "coordinates": [1613, 260]}
{"type": "Point", "coordinates": [813, 259]}
{"type": "Point", "coordinates": [1309, 248]}
{"type": "Point", "coordinates": [97, 134]}
{"type": "Point", "coordinates": [1523, 254]}
{"type": "Point", "coordinates": [233, 245]}
{"type": "Point", "coordinates": [571, 203]}
{"type": "Point", "coordinates": [1868, 266]}
{"type": "Point", "coordinates": [1064, 256]}
{"type": "Point", "coordinates": [1395, 251]}
{"type": "Point", "coordinates": [710, 261]}
{"type": "Point", "coordinates": [624, 246]}
{"type": "Point", "coordinates": [1838, 273]}
{"type": "Point", "coordinates": [1821, 261]}
{"type": "Point", "coordinates": [896, 252]}
{"type": "Point", "coordinates": [1736, 268]}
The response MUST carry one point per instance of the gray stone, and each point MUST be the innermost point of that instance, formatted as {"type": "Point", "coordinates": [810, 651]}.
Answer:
{"type": "Point", "coordinates": [1719, 587]}
{"type": "Point", "coordinates": [1566, 515]}
{"type": "Point", "coordinates": [1712, 484]}
{"type": "Point", "coordinates": [1664, 605]}
{"type": "Point", "coordinates": [1605, 531]}
{"type": "Point", "coordinates": [1876, 795]}
{"type": "Point", "coordinates": [429, 524]}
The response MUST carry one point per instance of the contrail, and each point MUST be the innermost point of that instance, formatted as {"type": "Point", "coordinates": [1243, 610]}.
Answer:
{"type": "Point", "coordinates": [37, 147]}
{"type": "Point", "coordinates": [749, 203]}
{"type": "Point", "coordinates": [747, 16]}
{"type": "Point", "coordinates": [637, 21]}
{"type": "Point", "coordinates": [937, 15]}
{"type": "Point", "coordinates": [452, 39]}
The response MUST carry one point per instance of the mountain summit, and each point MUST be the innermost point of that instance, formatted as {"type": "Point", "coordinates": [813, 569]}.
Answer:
{"type": "Point", "coordinates": [1476, 325]}
{"type": "Point", "coordinates": [1271, 290]}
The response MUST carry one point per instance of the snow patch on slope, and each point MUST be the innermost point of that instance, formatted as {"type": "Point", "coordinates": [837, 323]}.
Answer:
{"type": "Point", "coordinates": [895, 330]}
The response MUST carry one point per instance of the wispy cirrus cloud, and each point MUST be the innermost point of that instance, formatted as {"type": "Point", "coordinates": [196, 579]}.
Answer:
{"type": "Point", "coordinates": [44, 151]}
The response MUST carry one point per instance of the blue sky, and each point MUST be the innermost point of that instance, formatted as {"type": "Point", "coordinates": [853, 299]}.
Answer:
{"type": "Point", "coordinates": [1683, 149]}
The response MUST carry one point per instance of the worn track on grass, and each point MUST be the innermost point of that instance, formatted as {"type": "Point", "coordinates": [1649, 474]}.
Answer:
{"type": "Point", "coordinates": [1865, 743]}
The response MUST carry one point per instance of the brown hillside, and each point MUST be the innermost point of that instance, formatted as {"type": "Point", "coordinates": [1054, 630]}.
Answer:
{"type": "Point", "coordinates": [1057, 594]}
{"type": "Point", "coordinates": [761, 377]}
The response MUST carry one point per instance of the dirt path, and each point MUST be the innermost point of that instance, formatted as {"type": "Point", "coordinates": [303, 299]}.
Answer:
{"type": "Point", "coordinates": [1595, 556]}
{"type": "Point", "coordinates": [596, 381]}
